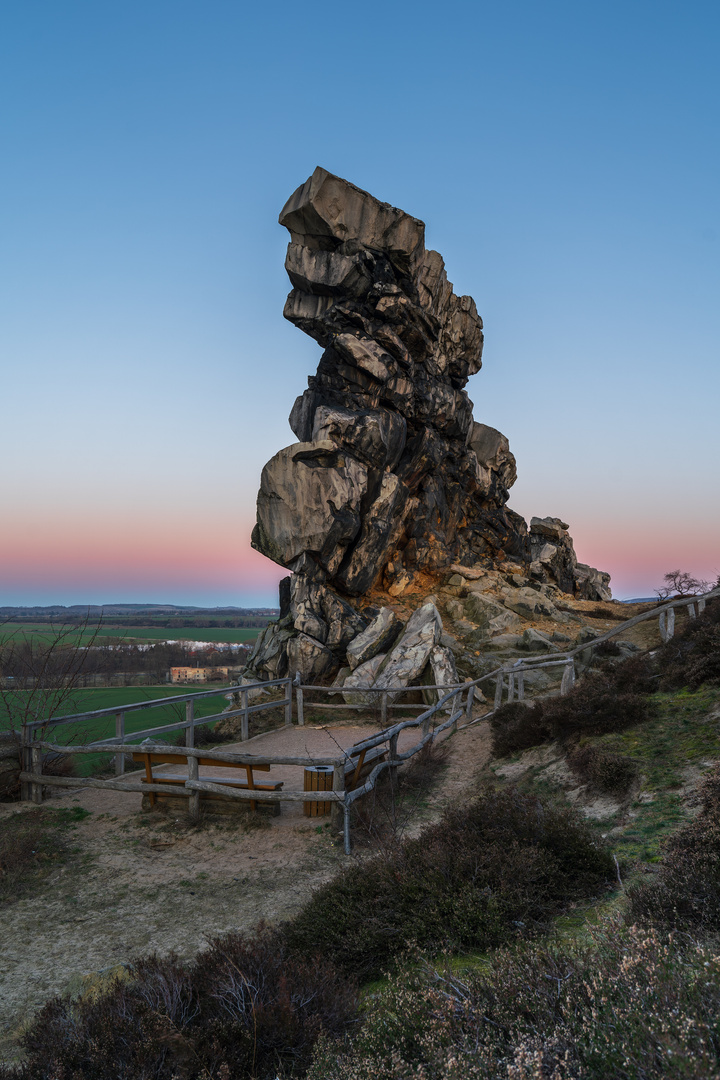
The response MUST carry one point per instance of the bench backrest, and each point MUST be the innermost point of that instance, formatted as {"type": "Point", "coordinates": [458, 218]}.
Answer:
{"type": "Point", "coordinates": [180, 759]}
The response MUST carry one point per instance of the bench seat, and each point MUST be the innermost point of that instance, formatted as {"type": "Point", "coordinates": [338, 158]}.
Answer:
{"type": "Point", "coordinates": [152, 760]}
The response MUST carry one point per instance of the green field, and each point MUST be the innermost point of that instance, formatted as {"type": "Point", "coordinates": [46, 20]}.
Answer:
{"type": "Point", "coordinates": [116, 697]}
{"type": "Point", "coordinates": [228, 635]}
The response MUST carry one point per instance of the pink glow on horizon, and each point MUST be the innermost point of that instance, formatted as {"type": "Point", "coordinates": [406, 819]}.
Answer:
{"type": "Point", "coordinates": [182, 552]}
{"type": "Point", "coordinates": [174, 556]}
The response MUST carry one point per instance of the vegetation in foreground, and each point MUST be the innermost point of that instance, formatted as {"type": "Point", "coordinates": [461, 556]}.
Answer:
{"type": "Point", "coordinates": [637, 996]}
{"type": "Point", "coordinates": [254, 1006]}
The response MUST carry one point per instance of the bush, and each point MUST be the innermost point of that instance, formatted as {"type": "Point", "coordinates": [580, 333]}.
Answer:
{"type": "Point", "coordinates": [54, 764]}
{"type": "Point", "coordinates": [517, 727]}
{"type": "Point", "coordinates": [635, 675]}
{"type": "Point", "coordinates": [608, 648]}
{"type": "Point", "coordinates": [245, 1008]}
{"type": "Point", "coordinates": [601, 702]}
{"type": "Point", "coordinates": [693, 657]}
{"type": "Point", "coordinates": [486, 873]}
{"type": "Point", "coordinates": [686, 892]}
{"type": "Point", "coordinates": [630, 1005]}
{"type": "Point", "coordinates": [595, 706]}
{"type": "Point", "coordinates": [605, 771]}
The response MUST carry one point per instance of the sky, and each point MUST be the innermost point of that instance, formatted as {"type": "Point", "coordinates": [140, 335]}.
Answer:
{"type": "Point", "coordinates": [565, 159]}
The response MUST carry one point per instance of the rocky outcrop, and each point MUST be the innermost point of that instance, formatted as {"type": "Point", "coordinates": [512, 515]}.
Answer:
{"type": "Point", "coordinates": [554, 561]}
{"type": "Point", "coordinates": [391, 478]}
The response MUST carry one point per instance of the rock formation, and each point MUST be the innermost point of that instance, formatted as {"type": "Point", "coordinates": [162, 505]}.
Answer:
{"type": "Point", "coordinates": [392, 480]}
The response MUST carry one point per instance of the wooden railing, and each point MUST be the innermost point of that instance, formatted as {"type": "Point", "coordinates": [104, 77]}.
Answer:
{"type": "Point", "coordinates": [35, 780]}
{"type": "Point", "coordinates": [189, 724]}
{"type": "Point", "coordinates": [457, 700]}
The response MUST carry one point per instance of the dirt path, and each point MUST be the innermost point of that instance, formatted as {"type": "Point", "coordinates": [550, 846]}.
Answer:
{"type": "Point", "coordinates": [139, 883]}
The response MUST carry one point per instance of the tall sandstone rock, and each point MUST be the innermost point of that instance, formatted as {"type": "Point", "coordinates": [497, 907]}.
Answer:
{"type": "Point", "coordinates": [391, 475]}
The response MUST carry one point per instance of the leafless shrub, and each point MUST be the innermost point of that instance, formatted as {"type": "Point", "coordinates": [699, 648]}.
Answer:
{"type": "Point", "coordinates": [678, 583]}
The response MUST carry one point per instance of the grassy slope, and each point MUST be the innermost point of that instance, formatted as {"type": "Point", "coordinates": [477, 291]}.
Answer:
{"type": "Point", "coordinates": [671, 751]}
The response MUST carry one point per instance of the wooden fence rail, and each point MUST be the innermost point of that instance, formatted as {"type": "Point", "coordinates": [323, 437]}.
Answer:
{"type": "Point", "coordinates": [458, 700]}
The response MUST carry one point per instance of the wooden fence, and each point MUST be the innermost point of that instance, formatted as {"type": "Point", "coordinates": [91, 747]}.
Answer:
{"type": "Point", "coordinates": [458, 700]}
{"type": "Point", "coordinates": [34, 780]}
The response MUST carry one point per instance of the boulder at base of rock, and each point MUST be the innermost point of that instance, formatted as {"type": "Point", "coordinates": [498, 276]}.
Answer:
{"type": "Point", "coordinates": [482, 609]}
{"type": "Point", "coordinates": [440, 671]}
{"type": "Point", "coordinates": [506, 620]}
{"type": "Point", "coordinates": [310, 657]}
{"type": "Point", "coordinates": [504, 641]}
{"type": "Point", "coordinates": [412, 652]}
{"type": "Point", "coordinates": [377, 637]}
{"type": "Point", "coordinates": [535, 641]}
{"type": "Point", "coordinates": [363, 678]}
{"type": "Point", "coordinates": [529, 604]}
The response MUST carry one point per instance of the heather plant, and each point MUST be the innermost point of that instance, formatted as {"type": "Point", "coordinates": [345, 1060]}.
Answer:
{"type": "Point", "coordinates": [599, 703]}
{"type": "Point", "coordinates": [516, 727]}
{"type": "Point", "coordinates": [602, 769]}
{"type": "Point", "coordinates": [246, 1008]}
{"type": "Point", "coordinates": [630, 1004]}
{"type": "Point", "coordinates": [488, 872]}
{"type": "Point", "coordinates": [685, 893]}
{"type": "Point", "coordinates": [692, 657]}
{"type": "Point", "coordinates": [603, 701]}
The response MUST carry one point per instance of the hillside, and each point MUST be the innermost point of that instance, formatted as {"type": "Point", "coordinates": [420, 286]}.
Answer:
{"type": "Point", "coordinates": [630, 758]}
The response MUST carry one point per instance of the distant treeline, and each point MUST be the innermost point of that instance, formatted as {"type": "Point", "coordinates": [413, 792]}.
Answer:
{"type": "Point", "coordinates": [253, 621]}
{"type": "Point", "coordinates": [26, 661]}
{"type": "Point", "coordinates": [144, 616]}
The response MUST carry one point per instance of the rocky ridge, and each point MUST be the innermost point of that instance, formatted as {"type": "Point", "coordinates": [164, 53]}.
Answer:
{"type": "Point", "coordinates": [393, 489]}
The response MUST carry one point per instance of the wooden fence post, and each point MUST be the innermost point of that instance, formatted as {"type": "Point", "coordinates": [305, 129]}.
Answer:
{"type": "Point", "coordinates": [244, 720]}
{"type": "Point", "coordinates": [36, 786]}
{"type": "Point", "coordinates": [120, 734]}
{"type": "Point", "coordinates": [521, 685]}
{"type": "Point", "coordinates": [426, 725]}
{"type": "Point", "coordinates": [288, 706]}
{"type": "Point", "coordinates": [383, 708]}
{"type": "Point", "coordinates": [190, 719]}
{"type": "Point", "coordinates": [300, 702]}
{"type": "Point", "coordinates": [666, 623]}
{"type": "Point", "coordinates": [336, 809]}
{"type": "Point", "coordinates": [568, 678]}
{"type": "Point", "coordinates": [499, 689]}
{"type": "Point", "coordinates": [701, 606]}
{"type": "Point", "coordinates": [691, 610]}
{"type": "Point", "coordinates": [194, 800]}
{"type": "Point", "coordinates": [670, 623]}
{"type": "Point", "coordinates": [393, 757]}
{"type": "Point", "coordinates": [469, 703]}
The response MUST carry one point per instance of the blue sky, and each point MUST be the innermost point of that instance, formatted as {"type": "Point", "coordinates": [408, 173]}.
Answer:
{"type": "Point", "coordinates": [564, 158]}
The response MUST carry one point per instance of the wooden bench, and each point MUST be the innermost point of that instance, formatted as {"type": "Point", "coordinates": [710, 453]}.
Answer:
{"type": "Point", "coordinates": [355, 770]}
{"type": "Point", "coordinates": [150, 760]}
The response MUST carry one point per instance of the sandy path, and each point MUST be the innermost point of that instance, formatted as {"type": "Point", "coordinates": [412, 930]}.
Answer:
{"type": "Point", "coordinates": [150, 882]}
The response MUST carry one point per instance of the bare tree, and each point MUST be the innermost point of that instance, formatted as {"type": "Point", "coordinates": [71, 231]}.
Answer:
{"type": "Point", "coordinates": [680, 583]}
{"type": "Point", "coordinates": [41, 671]}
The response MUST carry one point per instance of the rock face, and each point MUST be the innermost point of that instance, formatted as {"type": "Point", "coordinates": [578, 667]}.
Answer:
{"type": "Point", "coordinates": [554, 562]}
{"type": "Point", "coordinates": [391, 476]}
